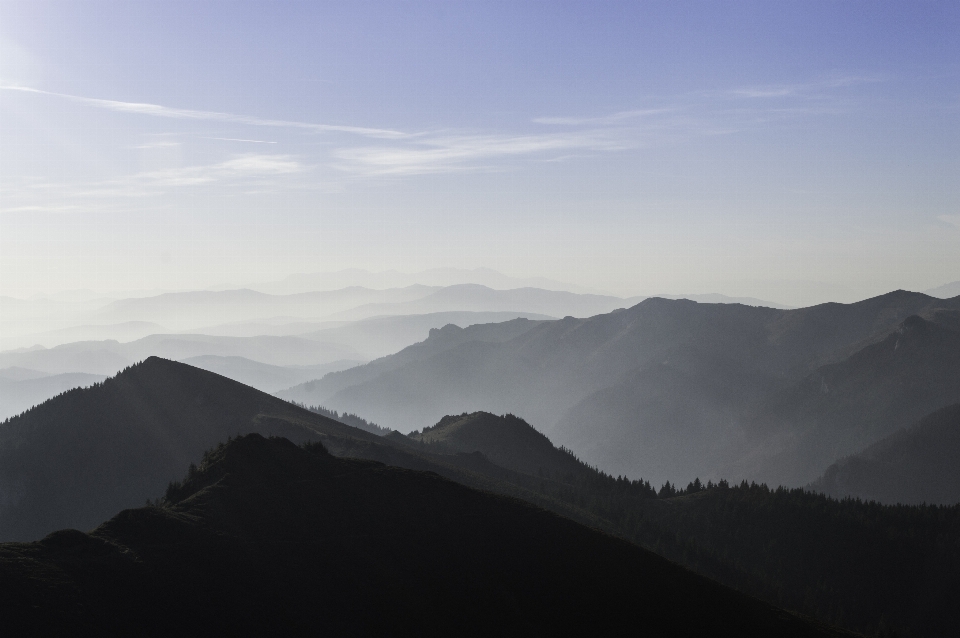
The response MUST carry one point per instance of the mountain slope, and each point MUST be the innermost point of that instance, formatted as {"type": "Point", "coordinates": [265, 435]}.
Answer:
{"type": "Point", "coordinates": [88, 453]}
{"type": "Point", "coordinates": [268, 535]}
{"type": "Point", "coordinates": [844, 407]}
{"type": "Point", "coordinates": [920, 464]}
{"type": "Point", "coordinates": [508, 441]}
{"type": "Point", "coordinates": [618, 388]}
{"type": "Point", "coordinates": [864, 566]}
{"type": "Point", "coordinates": [438, 340]}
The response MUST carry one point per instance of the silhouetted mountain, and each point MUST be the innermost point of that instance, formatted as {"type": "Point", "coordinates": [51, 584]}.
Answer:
{"type": "Point", "coordinates": [867, 567]}
{"type": "Point", "coordinates": [665, 389]}
{"type": "Point", "coordinates": [267, 536]}
{"type": "Point", "coordinates": [88, 453]}
{"type": "Point", "coordinates": [106, 446]}
{"type": "Point", "coordinates": [920, 464]}
{"type": "Point", "coordinates": [17, 396]}
{"type": "Point", "coordinates": [507, 440]}
{"type": "Point", "coordinates": [718, 298]}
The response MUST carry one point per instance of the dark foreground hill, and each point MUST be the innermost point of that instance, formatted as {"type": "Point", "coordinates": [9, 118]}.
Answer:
{"type": "Point", "coordinates": [804, 552]}
{"type": "Point", "coordinates": [920, 464]}
{"type": "Point", "coordinates": [266, 536]}
{"type": "Point", "coordinates": [863, 566]}
{"type": "Point", "coordinates": [88, 453]}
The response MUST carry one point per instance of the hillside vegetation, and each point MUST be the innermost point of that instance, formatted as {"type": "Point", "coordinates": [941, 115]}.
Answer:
{"type": "Point", "coordinates": [266, 535]}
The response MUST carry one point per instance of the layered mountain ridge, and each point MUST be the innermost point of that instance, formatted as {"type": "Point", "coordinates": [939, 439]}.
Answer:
{"type": "Point", "coordinates": [664, 389]}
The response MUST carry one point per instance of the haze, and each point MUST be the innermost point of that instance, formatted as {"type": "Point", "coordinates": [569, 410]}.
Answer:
{"type": "Point", "coordinates": [794, 152]}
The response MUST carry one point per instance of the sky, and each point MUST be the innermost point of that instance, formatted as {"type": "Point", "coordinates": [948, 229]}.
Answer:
{"type": "Point", "coordinates": [794, 151]}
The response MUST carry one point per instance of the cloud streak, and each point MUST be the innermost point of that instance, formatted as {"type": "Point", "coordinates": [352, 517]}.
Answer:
{"type": "Point", "coordinates": [243, 172]}
{"type": "Point", "coordinates": [451, 153]}
{"type": "Point", "coordinates": [156, 110]}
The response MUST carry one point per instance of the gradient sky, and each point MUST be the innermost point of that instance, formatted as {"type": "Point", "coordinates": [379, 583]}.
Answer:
{"type": "Point", "coordinates": [794, 151]}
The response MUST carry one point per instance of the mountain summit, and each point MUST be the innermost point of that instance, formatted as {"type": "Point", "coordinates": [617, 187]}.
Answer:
{"type": "Point", "coordinates": [79, 458]}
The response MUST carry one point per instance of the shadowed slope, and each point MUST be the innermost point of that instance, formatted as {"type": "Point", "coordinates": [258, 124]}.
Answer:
{"type": "Point", "coordinates": [844, 407]}
{"type": "Point", "coordinates": [82, 456]}
{"type": "Point", "coordinates": [508, 441]}
{"type": "Point", "coordinates": [920, 464]}
{"type": "Point", "coordinates": [268, 535]}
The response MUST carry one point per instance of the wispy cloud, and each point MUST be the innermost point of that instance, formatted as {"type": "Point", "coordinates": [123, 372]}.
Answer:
{"type": "Point", "coordinates": [159, 144]}
{"type": "Point", "coordinates": [242, 174]}
{"type": "Point", "coordinates": [615, 118]}
{"type": "Point", "coordinates": [235, 139]}
{"type": "Point", "coordinates": [439, 154]}
{"type": "Point", "coordinates": [238, 169]}
{"type": "Point", "coordinates": [815, 88]}
{"type": "Point", "coordinates": [156, 110]}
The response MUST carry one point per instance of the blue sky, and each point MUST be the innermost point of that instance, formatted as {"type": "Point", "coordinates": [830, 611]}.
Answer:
{"type": "Point", "coordinates": [799, 152]}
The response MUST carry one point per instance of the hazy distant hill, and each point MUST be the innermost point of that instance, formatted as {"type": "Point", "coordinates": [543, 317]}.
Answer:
{"type": "Point", "coordinates": [844, 407]}
{"type": "Point", "coordinates": [305, 282]}
{"type": "Point", "coordinates": [266, 535]}
{"type": "Point", "coordinates": [381, 336]}
{"type": "Point", "coordinates": [439, 340]}
{"type": "Point", "coordinates": [946, 291]}
{"type": "Point", "coordinates": [262, 376]}
{"type": "Point", "coordinates": [127, 331]}
{"type": "Point", "coordinates": [664, 389]}
{"type": "Point", "coordinates": [17, 396]}
{"type": "Point", "coordinates": [919, 464]}
{"type": "Point", "coordinates": [183, 310]}
{"type": "Point", "coordinates": [476, 298]}
{"type": "Point", "coordinates": [107, 357]}
{"type": "Point", "coordinates": [86, 454]}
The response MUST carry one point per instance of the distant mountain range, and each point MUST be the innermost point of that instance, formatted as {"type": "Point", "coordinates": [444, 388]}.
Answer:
{"type": "Point", "coordinates": [307, 282]}
{"type": "Point", "coordinates": [22, 394]}
{"type": "Point", "coordinates": [946, 291]}
{"type": "Point", "coordinates": [106, 357]}
{"type": "Point", "coordinates": [919, 464]}
{"type": "Point", "coordinates": [245, 522]}
{"type": "Point", "coordinates": [671, 388]}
